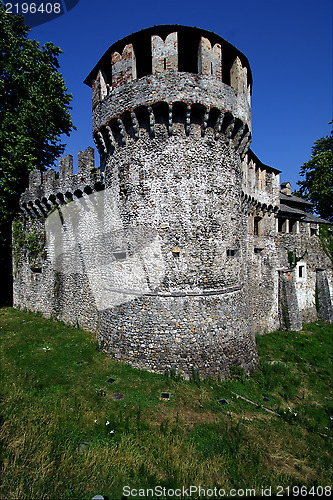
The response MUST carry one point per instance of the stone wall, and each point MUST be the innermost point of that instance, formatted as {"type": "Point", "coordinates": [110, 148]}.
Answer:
{"type": "Point", "coordinates": [168, 251]}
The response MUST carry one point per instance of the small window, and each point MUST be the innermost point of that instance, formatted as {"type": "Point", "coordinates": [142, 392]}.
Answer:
{"type": "Point", "coordinates": [232, 252]}
{"type": "Point", "coordinates": [36, 270]}
{"type": "Point", "coordinates": [293, 226]}
{"type": "Point", "coordinates": [257, 226]}
{"type": "Point", "coordinates": [120, 255]}
{"type": "Point", "coordinates": [301, 271]}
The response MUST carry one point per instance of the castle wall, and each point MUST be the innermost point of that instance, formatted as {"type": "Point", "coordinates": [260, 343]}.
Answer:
{"type": "Point", "coordinates": [311, 258]}
{"type": "Point", "coordinates": [144, 258]}
{"type": "Point", "coordinates": [169, 251]}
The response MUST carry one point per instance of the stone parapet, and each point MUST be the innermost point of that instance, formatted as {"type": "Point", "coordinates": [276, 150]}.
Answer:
{"type": "Point", "coordinates": [172, 87]}
{"type": "Point", "coordinates": [50, 188]}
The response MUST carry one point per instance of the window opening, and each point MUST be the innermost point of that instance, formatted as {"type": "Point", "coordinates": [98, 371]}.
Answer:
{"type": "Point", "coordinates": [282, 225]}
{"type": "Point", "coordinates": [256, 226]}
{"type": "Point", "coordinates": [120, 255]}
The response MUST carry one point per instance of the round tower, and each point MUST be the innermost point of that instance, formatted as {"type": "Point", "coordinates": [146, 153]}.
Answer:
{"type": "Point", "coordinates": [172, 124]}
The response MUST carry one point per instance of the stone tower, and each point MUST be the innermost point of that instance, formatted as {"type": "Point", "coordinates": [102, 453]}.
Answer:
{"type": "Point", "coordinates": [172, 124]}
{"type": "Point", "coordinates": [180, 246]}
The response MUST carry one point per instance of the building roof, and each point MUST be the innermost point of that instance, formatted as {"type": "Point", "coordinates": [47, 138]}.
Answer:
{"type": "Point", "coordinates": [298, 213]}
{"type": "Point", "coordinates": [263, 166]}
{"type": "Point", "coordinates": [290, 198]}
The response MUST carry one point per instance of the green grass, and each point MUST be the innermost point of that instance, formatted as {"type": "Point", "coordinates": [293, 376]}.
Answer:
{"type": "Point", "coordinates": [55, 396]}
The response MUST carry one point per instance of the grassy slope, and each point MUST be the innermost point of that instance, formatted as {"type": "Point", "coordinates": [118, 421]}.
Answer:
{"type": "Point", "coordinates": [55, 395]}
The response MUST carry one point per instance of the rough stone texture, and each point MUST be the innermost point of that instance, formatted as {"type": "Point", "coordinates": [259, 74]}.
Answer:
{"type": "Point", "coordinates": [123, 66]}
{"type": "Point", "coordinates": [172, 87]}
{"type": "Point", "coordinates": [289, 310]}
{"type": "Point", "coordinates": [169, 251]}
{"type": "Point", "coordinates": [209, 60]}
{"type": "Point", "coordinates": [164, 54]}
{"type": "Point", "coordinates": [325, 311]}
{"type": "Point", "coordinates": [238, 76]}
{"type": "Point", "coordinates": [99, 89]}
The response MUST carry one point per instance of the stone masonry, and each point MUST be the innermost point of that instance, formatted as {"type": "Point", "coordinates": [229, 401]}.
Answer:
{"type": "Point", "coordinates": [170, 251]}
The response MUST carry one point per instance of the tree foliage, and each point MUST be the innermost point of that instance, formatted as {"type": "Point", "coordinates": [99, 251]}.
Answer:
{"type": "Point", "coordinates": [317, 185]}
{"type": "Point", "coordinates": [34, 112]}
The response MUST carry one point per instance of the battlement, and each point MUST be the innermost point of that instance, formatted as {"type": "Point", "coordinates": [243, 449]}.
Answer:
{"type": "Point", "coordinates": [161, 50]}
{"type": "Point", "coordinates": [260, 186]}
{"type": "Point", "coordinates": [50, 188]}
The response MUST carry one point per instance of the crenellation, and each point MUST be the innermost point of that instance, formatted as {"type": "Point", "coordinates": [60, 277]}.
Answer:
{"type": "Point", "coordinates": [86, 162]}
{"type": "Point", "coordinates": [35, 179]}
{"type": "Point", "coordinates": [238, 76]}
{"type": "Point", "coordinates": [48, 190]}
{"type": "Point", "coordinates": [49, 179]}
{"type": "Point", "coordinates": [210, 59]}
{"type": "Point", "coordinates": [65, 168]}
{"type": "Point", "coordinates": [164, 53]}
{"type": "Point", "coordinates": [99, 88]}
{"type": "Point", "coordinates": [123, 66]}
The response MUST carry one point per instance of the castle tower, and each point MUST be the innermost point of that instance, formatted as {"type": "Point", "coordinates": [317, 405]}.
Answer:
{"type": "Point", "coordinates": [172, 124]}
{"type": "Point", "coordinates": [180, 246]}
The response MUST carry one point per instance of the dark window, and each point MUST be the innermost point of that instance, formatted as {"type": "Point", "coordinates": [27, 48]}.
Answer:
{"type": "Point", "coordinates": [256, 226]}
{"type": "Point", "coordinates": [120, 255]}
{"type": "Point", "coordinates": [282, 225]}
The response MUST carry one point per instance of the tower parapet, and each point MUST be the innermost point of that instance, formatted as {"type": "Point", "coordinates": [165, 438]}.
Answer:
{"type": "Point", "coordinates": [50, 188]}
{"type": "Point", "coordinates": [175, 65]}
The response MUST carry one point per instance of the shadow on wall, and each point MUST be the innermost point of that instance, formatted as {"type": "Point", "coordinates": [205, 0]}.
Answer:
{"type": "Point", "coordinates": [87, 237]}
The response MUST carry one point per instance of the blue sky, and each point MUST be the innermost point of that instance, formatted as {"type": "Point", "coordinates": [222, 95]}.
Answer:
{"type": "Point", "coordinates": [288, 45]}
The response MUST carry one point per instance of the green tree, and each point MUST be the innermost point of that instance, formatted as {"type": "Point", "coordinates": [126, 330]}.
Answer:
{"type": "Point", "coordinates": [34, 112]}
{"type": "Point", "coordinates": [317, 185]}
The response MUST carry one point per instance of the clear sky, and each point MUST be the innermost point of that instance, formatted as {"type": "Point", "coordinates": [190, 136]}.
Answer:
{"type": "Point", "coordinates": [287, 42]}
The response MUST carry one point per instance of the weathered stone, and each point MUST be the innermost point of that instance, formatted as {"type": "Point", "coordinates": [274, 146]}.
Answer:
{"type": "Point", "coordinates": [172, 250]}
